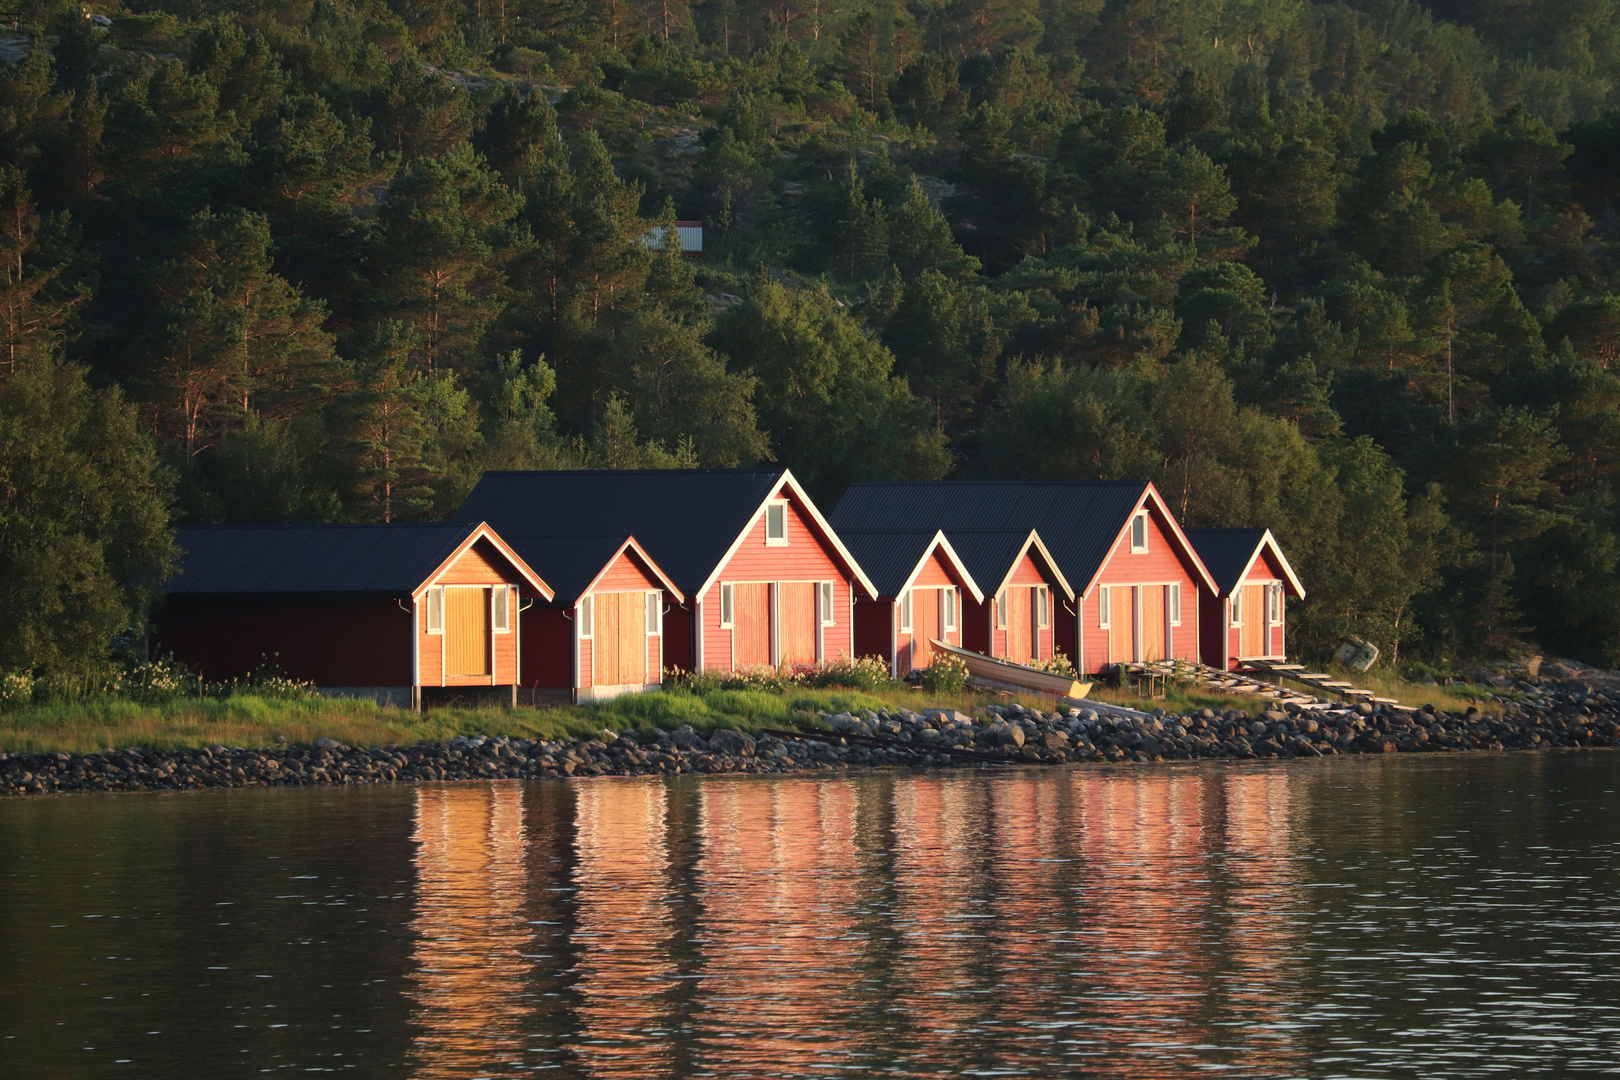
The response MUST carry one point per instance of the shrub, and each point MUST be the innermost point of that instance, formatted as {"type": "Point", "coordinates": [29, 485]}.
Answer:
{"type": "Point", "coordinates": [16, 690]}
{"type": "Point", "coordinates": [1058, 665]}
{"type": "Point", "coordinates": [946, 675]}
{"type": "Point", "coordinates": [853, 673]}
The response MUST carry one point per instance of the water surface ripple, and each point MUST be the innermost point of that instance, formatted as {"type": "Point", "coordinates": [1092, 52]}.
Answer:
{"type": "Point", "coordinates": [1423, 917]}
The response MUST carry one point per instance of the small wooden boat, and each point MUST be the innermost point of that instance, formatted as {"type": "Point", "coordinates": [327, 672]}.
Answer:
{"type": "Point", "coordinates": [1016, 675]}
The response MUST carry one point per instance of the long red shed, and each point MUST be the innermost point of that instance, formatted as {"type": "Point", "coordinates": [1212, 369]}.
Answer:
{"type": "Point", "coordinates": [923, 590]}
{"type": "Point", "coordinates": [766, 580]}
{"type": "Point", "coordinates": [1244, 616]}
{"type": "Point", "coordinates": [392, 612]}
{"type": "Point", "coordinates": [1135, 576]}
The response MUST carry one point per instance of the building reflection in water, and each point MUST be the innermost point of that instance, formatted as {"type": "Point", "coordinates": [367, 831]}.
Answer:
{"type": "Point", "coordinates": [471, 981]}
{"type": "Point", "coordinates": [1127, 923]}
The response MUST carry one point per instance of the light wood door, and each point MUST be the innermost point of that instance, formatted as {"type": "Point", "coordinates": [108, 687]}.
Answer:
{"type": "Point", "coordinates": [751, 636]}
{"type": "Point", "coordinates": [466, 632]}
{"type": "Point", "coordinates": [1121, 625]}
{"type": "Point", "coordinates": [619, 651]}
{"type": "Point", "coordinates": [1252, 635]}
{"type": "Point", "coordinates": [1020, 624]}
{"type": "Point", "coordinates": [924, 626]}
{"type": "Point", "coordinates": [1153, 622]}
{"type": "Point", "coordinates": [796, 621]}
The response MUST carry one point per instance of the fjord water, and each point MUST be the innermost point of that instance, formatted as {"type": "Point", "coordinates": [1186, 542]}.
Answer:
{"type": "Point", "coordinates": [1425, 917]}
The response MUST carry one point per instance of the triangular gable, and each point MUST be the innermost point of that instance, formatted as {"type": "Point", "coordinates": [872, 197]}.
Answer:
{"type": "Point", "coordinates": [1269, 543]}
{"type": "Point", "coordinates": [940, 543]}
{"type": "Point", "coordinates": [787, 482]}
{"type": "Point", "coordinates": [482, 531]}
{"type": "Point", "coordinates": [1151, 494]}
{"type": "Point", "coordinates": [1033, 542]}
{"type": "Point", "coordinates": [647, 564]}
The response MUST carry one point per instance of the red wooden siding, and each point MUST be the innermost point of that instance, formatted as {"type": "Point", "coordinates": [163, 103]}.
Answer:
{"type": "Point", "coordinates": [1223, 641]}
{"type": "Point", "coordinates": [481, 565]}
{"type": "Point", "coordinates": [330, 641]}
{"type": "Point", "coordinates": [1163, 563]}
{"type": "Point", "coordinates": [804, 558]}
{"type": "Point", "coordinates": [873, 628]}
{"type": "Point", "coordinates": [1016, 639]}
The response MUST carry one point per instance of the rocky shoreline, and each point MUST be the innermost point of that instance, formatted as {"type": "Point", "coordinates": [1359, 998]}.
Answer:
{"type": "Point", "coordinates": [1576, 715]}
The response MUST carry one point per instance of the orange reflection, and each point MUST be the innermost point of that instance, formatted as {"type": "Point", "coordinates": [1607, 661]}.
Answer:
{"type": "Point", "coordinates": [471, 975]}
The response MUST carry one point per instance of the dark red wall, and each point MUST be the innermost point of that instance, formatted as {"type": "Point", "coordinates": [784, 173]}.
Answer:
{"type": "Point", "coordinates": [874, 628]}
{"type": "Point", "coordinates": [327, 640]}
{"type": "Point", "coordinates": [548, 648]}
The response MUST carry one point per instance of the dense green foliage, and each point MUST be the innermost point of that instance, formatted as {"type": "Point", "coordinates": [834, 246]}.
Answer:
{"type": "Point", "coordinates": [1344, 269]}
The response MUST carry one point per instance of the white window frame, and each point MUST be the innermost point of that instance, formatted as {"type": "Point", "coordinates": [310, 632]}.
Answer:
{"type": "Point", "coordinates": [1139, 519]}
{"type": "Point", "coordinates": [587, 617]}
{"type": "Point", "coordinates": [728, 606]}
{"type": "Point", "coordinates": [500, 610]}
{"type": "Point", "coordinates": [1274, 603]}
{"type": "Point", "coordinates": [1237, 606]}
{"type": "Point", "coordinates": [1105, 607]}
{"type": "Point", "coordinates": [780, 508]}
{"type": "Point", "coordinates": [952, 609]}
{"type": "Point", "coordinates": [1043, 608]}
{"type": "Point", "coordinates": [905, 612]}
{"type": "Point", "coordinates": [655, 614]}
{"type": "Point", "coordinates": [1175, 603]}
{"type": "Point", "coordinates": [829, 608]}
{"type": "Point", "coordinates": [1001, 609]}
{"type": "Point", "coordinates": [435, 610]}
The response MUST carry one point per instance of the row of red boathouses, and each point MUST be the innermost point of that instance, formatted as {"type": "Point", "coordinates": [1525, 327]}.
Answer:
{"type": "Point", "coordinates": [578, 585]}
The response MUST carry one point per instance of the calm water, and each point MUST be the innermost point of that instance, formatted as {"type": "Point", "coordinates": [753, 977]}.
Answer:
{"type": "Point", "coordinates": [1416, 917]}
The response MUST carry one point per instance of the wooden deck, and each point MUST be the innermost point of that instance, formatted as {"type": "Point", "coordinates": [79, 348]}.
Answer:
{"type": "Point", "coordinates": [1237, 682]}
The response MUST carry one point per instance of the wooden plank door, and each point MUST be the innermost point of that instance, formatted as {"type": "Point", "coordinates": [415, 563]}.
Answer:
{"type": "Point", "coordinates": [1252, 636]}
{"type": "Point", "coordinates": [1020, 624]}
{"type": "Point", "coordinates": [619, 651]}
{"type": "Point", "coordinates": [466, 631]}
{"type": "Point", "coordinates": [924, 626]}
{"type": "Point", "coordinates": [1153, 622]}
{"type": "Point", "coordinates": [1121, 625]}
{"type": "Point", "coordinates": [796, 621]}
{"type": "Point", "coordinates": [751, 636]}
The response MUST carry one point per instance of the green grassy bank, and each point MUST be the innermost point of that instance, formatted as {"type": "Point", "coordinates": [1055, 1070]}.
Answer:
{"type": "Point", "coordinates": [249, 720]}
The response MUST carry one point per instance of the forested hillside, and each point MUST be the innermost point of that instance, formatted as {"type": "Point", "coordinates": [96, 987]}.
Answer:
{"type": "Point", "coordinates": [1343, 269]}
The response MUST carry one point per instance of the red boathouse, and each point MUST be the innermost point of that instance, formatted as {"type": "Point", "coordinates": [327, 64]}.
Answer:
{"type": "Point", "coordinates": [392, 612]}
{"type": "Point", "coordinates": [923, 593]}
{"type": "Point", "coordinates": [1244, 617]}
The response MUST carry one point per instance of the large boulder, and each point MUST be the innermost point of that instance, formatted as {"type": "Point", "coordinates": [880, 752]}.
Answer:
{"type": "Point", "coordinates": [1357, 654]}
{"type": "Point", "coordinates": [731, 742]}
{"type": "Point", "coordinates": [685, 738]}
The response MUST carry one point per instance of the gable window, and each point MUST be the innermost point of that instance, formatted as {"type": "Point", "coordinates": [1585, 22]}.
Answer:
{"type": "Point", "coordinates": [828, 617]}
{"type": "Point", "coordinates": [727, 612]}
{"type": "Point", "coordinates": [776, 523]}
{"type": "Point", "coordinates": [435, 610]}
{"type": "Point", "coordinates": [1175, 604]}
{"type": "Point", "coordinates": [1139, 533]}
{"type": "Point", "coordinates": [587, 617]}
{"type": "Point", "coordinates": [1043, 607]}
{"type": "Point", "coordinates": [905, 611]}
{"type": "Point", "coordinates": [947, 599]}
{"type": "Point", "coordinates": [1274, 604]}
{"type": "Point", "coordinates": [1001, 609]}
{"type": "Point", "coordinates": [499, 618]}
{"type": "Point", "coordinates": [1105, 607]}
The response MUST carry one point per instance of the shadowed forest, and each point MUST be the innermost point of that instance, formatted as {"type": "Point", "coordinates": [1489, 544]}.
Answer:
{"type": "Point", "coordinates": [1346, 270]}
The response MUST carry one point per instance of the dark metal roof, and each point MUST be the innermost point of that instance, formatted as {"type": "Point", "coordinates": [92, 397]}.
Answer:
{"type": "Point", "coordinates": [1226, 552]}
{"type": "Point", "coordinates": [988, 554]}
{"type": "Point", "coordinates": [572, 562]}
{"type": "Point", "coordinates": [393, 558]}
{"type": "Point", "coordinates": [889, 555]}
{"type": "Point", "coordinates": [1078, 521]}
{"type": "Point", "coordinates": [686, 519]}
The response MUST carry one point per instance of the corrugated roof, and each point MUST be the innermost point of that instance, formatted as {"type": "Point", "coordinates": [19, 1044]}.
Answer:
{"type": "Point", "coordinates": [1077, 520]}
{"type": "Point", "coordinates": [889, 555]}
{"type": "Point", "coordinates": [392, 558]}
{"type": "Point", "coordinates": [1226, 552]}
{"type": "Point", "coordinates": [686, 519]}
{"type": "Point", "coordinates": [988, 554]}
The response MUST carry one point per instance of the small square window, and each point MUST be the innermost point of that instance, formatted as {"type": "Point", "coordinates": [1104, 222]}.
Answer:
{"type": "Point", "coordinates": [1139, 533]}
{"type": "Point", "coordinates": [726, 607]}
{"type": "Point", "coordinates": [776, 523]}
{"type": "Point", "coordinates": [587, 617]}
{"type": "Point", "coordinates": [655, 613]}
{"type": "Point", "coordinates": [435, 610]}
{"type": "Point", "coordinates": [829, 615]}
{"type": "Point", "coordinates": [905, 612]}
{"type": "Point", "coordinates": [500, 603]}
{"type": "Point", "coordinates": [1175, 604]}
{"type": "Point", "coordinates": [1105, 607]}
